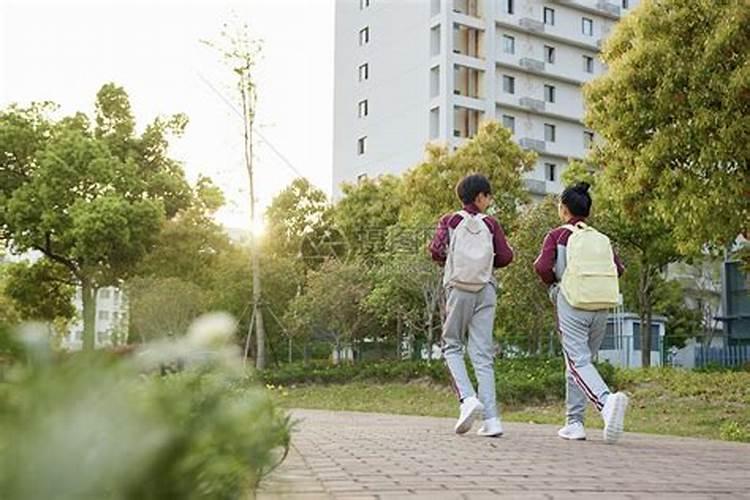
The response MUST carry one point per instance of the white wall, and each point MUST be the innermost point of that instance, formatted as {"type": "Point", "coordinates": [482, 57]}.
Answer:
{"type": "Point", "coordinates": [397, 127]}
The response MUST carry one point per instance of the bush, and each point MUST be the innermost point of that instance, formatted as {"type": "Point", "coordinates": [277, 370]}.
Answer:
{"type": "Point", "coordinates": [518, 380]}
{"type": "Point", "coordinates": [99, 426]}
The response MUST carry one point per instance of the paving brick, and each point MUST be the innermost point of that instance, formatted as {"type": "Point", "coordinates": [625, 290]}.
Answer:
{"type": "Point", "coordinates": [362, 455]}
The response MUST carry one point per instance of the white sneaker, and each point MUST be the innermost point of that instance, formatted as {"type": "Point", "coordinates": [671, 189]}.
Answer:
{"type": "Point", "coordinates": [471, 408]}
{"type": "Point", "coordinates": [573, 432]}
{"type": "Point", "coordinates": [491, 427]}
{"type": "Point", "coordinates": [613, 414]}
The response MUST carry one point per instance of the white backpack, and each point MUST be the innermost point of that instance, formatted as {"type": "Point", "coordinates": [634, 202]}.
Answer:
{"type": "Point", "coordinates": [470, 254]}
{"type": "Point", "coordinates": [590, 278]}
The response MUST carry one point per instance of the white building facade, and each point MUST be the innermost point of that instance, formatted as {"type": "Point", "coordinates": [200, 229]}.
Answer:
{"type": "Point", "coordinates": [412, 72]}
{"type": "Point", "coordinates": [111, 320]}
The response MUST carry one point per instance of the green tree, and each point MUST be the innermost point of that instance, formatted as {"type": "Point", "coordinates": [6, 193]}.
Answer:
{"type": "Point", "coordinates": [162, 307]}
{"type": "Point", "coordinates": [232, 284]}
{"type": "Point", "coordinates": [406, 288]}
{"type": "Point", "coordinates": [366, 211]}
{"type": "Point", "coordinates": [332, 306]}
{"type": "Point", "coordinates": [91, 199]}
{"type": "Point", "coordinates": [190, 244]}
{"type": "Point", "coordinates": [40, 291]}
{"type": "Point", "coordinates": [674, 112]}
{"type": "Point", "coordinates": [299, 223]}
{"type": "Point", "coordinates": [429, 188]}
{"type": "Point", "coordinates": [525, 315]}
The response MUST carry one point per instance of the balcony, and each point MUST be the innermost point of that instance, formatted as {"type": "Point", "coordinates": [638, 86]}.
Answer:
{"type": "Point", "coordinates": [531, 103]}
{"type": "Point", "coordinates": [535, 186]}
{"type": "Point", "coordinates": [609, 8]}
{"type": "Point", "coordinates": [530, 64]}
{"type": "Point", "coordinates": [532, 144]}
{"type": "Point", "coordinates": [600, 7]}
{"type": "Point", "coordinates": [468, 41]}
{"type": "Point", "coordinates": [471, 8]}
{"type": "Point", "coordinates": [468, 82]}
{"type": "Point", "coordinates": [532, 25]}
{"type": "Point", "coordinates": [465, 122]}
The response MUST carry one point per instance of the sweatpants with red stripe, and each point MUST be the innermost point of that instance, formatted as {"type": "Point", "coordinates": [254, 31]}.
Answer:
{"type": "Point", "coordinates": [581, 334]}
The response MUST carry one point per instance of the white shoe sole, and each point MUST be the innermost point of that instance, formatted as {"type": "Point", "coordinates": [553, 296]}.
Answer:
{"type": "Point", "coordinates": [614, 428]}
{"type": "Point", "coordinates": [494, 435]}
{"type": "Point", "coordinates": [464, 424]}
{"type": "Point", "coordinates": [498, 434]}
{"type": "Point", "coordinates": [568, 438]}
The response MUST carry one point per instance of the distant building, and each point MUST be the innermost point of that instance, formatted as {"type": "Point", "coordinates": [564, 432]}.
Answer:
{"type": "Point", "coordinates": [410, 73]}
{"type": "Point", "coordinates": [111, 320]}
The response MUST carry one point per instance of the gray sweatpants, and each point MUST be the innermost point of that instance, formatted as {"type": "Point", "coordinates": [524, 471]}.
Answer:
{"type": "Point", "coordinates": [471, 314]}
{"type": "Point", "coordinates": [581, 333]}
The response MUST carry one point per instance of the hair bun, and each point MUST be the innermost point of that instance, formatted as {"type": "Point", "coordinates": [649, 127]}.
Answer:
{"type": "Point", "coordinates": [582, 187]}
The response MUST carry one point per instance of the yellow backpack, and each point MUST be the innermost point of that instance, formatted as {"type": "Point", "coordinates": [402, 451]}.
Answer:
{"type": "Point", "coordinates": [590, 278]}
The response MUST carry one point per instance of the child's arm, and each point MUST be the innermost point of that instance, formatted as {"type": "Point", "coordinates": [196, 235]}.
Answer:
{"type": "Point", "coordinates": [439, 244]}
{"type": "Point", "coordinates": [618, 263]}
{"type": "Point", "coordinates": [544, 265]}
{"type": "Point", "coordinates": [503, 251]}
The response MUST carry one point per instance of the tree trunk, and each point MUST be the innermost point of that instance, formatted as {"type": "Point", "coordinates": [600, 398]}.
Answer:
{"type": "Point", "coordinates": [248, 108]}
{"type": "Point", "coordinates": [398, 337]}
{"type": "Point", "coordinates": [644, 299]}
{"type": "Point", "coordinates": [88, 298]}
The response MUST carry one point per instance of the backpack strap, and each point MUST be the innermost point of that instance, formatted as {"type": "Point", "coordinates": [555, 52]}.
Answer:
{"type": "Point", "coordinates": [467, 215]}
{"type": "Point", "coordinates": [575, 227]}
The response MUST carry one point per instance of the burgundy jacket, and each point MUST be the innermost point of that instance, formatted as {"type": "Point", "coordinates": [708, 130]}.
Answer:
{"type": "Point", "coordinates": [550, 264]}
{"type": "Point", "coordinates": [440, 242]}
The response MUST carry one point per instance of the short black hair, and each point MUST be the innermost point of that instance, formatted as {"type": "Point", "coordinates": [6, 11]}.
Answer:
{"type": "Point", "coordinates": [472, 186]}
{"type": "Point", "coordinates": [577, 199]}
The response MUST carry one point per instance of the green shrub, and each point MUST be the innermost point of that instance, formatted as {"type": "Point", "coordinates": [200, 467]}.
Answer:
{"type": "Point", "coordinates": [94, 426]}
{"type": "Point", "coordinates": [518, 380]}
{"type": "Point", "coordinates": [733, 431]}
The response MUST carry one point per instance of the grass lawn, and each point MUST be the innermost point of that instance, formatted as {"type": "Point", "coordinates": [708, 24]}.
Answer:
{"type": "Point", "coordinates": [708, 405]}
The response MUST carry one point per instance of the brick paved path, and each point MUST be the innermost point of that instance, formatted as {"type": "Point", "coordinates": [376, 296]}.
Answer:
{"type": "Point", "coordinates": [364, 455]}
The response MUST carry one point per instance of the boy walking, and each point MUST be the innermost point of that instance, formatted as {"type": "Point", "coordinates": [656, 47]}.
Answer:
{"type": "Point", "coordinates": [581, 268]}
{"type": "Point", "coordinates": [470, 244]}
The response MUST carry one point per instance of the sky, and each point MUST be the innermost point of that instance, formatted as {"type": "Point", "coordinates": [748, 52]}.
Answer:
{"type": "Point", "coordinates": [65, 50]}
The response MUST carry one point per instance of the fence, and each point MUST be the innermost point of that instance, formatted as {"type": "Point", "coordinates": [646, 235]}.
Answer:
{"type": "Point", "coordinates": [736, 355]}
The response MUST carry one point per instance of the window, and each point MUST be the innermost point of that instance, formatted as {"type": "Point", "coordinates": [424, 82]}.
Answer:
{"type": "Point", "coordinates": [509, 44]}
{"type": "Point", "coordinates": [549, 132]}
{"type": "Point", "coordinates": [364, 36]}
{"type": "Point", "coordinates": [509, 6]}
{"type": "Point", "coordinates": [361, 145]}
{"type": "Point", "coordinates": [509, 84]}
{"type": "Point", "coordinates": [549, 93]}
{"type": "Point", "coordinates": [362, 108]}
{"type": "Point", "coordinates": [363, 4]}
{"type": "Point", "coordinates": [364, 72]}
{"type": "Point", "coordinates": [587, 26]}
{"type": "Point", "coordinates": [608, 343]}
{"type": "Point", "coordinates": [625, 4]}
{"type": "Point", "coordinates": [588, 64]}
{"type": "Point", "coordinates": [550, 172]}
{"type": "Point", "coordinates": [117, 295]}
{"type": "Point", "coordinates": [104, 293]}
{"type": "Point", "coordinates": [549, 54]}
{"type": "Point", "coordinates": [588, 139]}
{"type": "Point", "coordinates": [104, 315]}
{"type": "Point", "coordinates": [549, 16]}
{"type": "Point", "coordinates": [509, 122]}
{"type": "Point", "coordinates": [637, 337]}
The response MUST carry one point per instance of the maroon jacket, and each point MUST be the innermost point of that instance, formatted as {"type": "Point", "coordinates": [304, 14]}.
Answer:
{"type": "Point", "coordinates": [440, 242]}
{"type": "Point", "coordinates": [550, 264]}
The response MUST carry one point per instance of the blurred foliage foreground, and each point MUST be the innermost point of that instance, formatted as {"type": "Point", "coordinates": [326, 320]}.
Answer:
{"type": "Point", "coordinates": [171, 420]}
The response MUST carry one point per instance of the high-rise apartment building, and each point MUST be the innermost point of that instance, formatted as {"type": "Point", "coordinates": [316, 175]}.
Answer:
{"type": "Point", "coordinates": [410, 72]}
